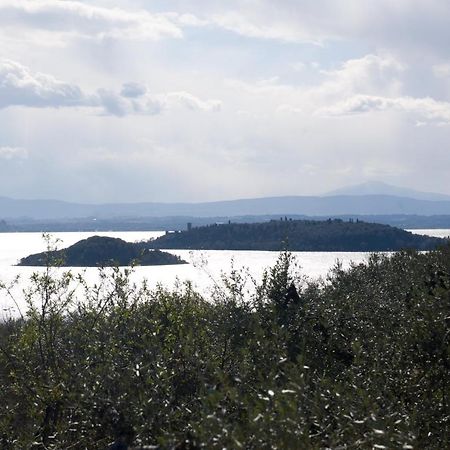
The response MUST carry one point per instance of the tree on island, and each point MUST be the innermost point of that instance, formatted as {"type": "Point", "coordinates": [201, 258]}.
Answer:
{"type": "Point", "coordinates": [103, 251]}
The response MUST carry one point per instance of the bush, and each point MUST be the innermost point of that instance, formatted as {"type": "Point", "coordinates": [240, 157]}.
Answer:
{"type": "Point", "coordinates": [359, 360]}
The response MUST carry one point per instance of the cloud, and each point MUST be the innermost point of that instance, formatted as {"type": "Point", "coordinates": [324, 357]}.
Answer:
{"type": "Point", "coordinates": [388, 24]}
{"type": "Point", "coordinates": [441, 70]}
{"type": "Point", "coordinates": [370, 75]}
{"type": "Point", "coordinates": [367, 75]}
{"type": "Point", "coordinates": [87, 20]}
{"type": "Point", "coordinates": [288, 109]}
{"type": "Point", "coordinates": [151, 104]}
{"type": "Point", "coordinates": [133, 90]}
{"type": "Point", "coordinates": [270, 30]}
{"type": "Point", "coordinates": [10, 153]}
{"type": "Point", "coordinates": [428, 108]}
{"type": "Point", "coordinates": [372, 83]}
{"type": "Point", "coordinates": [383, 24]}
{"type": "Point", "coordinates": [163, 66]}
{"type": "Point", "coordinates": [191, 102]}
{"type": "Point", "coordinates": [398, 25]}
{"type": "Point", "coordinates": [21, 87]}
{"type": "Point", "coordinates": [119, 105]}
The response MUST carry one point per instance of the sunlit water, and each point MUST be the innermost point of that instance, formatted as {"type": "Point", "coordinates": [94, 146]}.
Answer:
{"type": "Point", "coordinates": [204, 269]}
{"type": "Point", "coordinates": [438, 232]}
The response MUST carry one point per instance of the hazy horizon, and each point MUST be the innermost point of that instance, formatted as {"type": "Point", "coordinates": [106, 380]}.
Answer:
{"type": "Point", "coordinates": [126, 101]}
{"type": "Point", "coordinates": [367, 188]}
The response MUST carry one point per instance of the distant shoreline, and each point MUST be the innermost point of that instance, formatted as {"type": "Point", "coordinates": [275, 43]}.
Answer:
{"type": "Point", "coordinates": [407, 222]}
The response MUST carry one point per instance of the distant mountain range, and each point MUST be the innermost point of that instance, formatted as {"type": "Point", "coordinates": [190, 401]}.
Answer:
{"type": "Point", "coordinates": [380, 188]}
{"type": "Point", "coordinates": [357, 200]}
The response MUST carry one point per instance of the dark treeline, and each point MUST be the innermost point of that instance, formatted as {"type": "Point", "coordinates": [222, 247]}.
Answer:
{"type": "Point", "coordinates": [297, 235]}
{"type": "Point", "coordinates": [359, 360]}
{"type": "Point", "coordinates": [102, 251]}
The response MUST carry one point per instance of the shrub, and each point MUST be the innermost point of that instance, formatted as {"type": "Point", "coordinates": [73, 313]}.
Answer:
{"type": "Point", "coordinates": [359, 360]}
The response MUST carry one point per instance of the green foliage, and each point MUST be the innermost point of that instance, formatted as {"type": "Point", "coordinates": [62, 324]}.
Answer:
{"type": "Point", "coordinates": [301, 235]}
{"type": "Point", "coordinates": [360, 360]}
{"type": "Point", "coordinates": [102, 251]}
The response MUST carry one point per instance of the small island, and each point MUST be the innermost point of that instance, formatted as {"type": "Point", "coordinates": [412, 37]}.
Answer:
{"type": "Point", "coordinates": [298, 235]}
{"type": "Point", "coordinates": [99, 251]}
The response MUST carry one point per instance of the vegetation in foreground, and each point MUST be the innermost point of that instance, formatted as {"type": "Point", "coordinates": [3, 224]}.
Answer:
{"type": "Point", "coordinates": [98, 251]}
{"type": "Point", "coordinates": [359, 360]}
{"type": "Point", "coordinates": [300, 235]}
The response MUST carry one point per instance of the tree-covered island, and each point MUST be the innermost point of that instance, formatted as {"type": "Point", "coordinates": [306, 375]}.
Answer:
{"type": "Point", "coordinates": [102, 251]}
{"type": "Point", "coordinates": [297, 235]}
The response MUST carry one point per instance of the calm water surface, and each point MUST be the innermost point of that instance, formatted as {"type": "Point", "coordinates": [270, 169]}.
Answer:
{"type": "Point", "coordinates": [438, 232]}
{"type": "Point", "coordinates": [204, 268]}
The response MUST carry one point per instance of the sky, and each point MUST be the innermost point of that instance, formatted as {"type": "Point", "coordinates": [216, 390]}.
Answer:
{"type": "Point", "coordinates": [201, 100]}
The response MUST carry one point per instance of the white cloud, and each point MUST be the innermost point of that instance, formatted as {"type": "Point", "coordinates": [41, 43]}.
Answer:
{"type": "Point", "coordinates": [271, 30]}
{"type": "Point", "coordinates": [442, 70]}
{"type": "Point", "coordinates": [191, 102]}
{"type": "Point", "coordinates": [20, 86]}
{"type": "Point", "coordinates": [427, 108]}
{"type": "Point", "coordinates": [133, 90]}
{"type": "Point", "coordinates": [147, 103]}
{"type": "Point", "coordinates": [274, 132]}
{"type": "Point", "coordinates": [10, 153]}
{"type": "Point", "coordinates": [288, 109]}
{"type": "Point", "coordinates": [86, 20]}
{"type": "Point", "coordinates": [369, 74]}
{"type": "Point", "coordinates": [399, 24]}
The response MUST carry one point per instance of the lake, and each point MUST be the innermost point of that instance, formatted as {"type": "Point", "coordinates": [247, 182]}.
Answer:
{"type": "Point", "coordinates": [204, 268]}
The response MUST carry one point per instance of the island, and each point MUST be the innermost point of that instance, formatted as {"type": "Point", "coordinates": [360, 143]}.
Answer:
{"type": "Point", "coordinates": [298, 235]}
{"type": "Point", "coordinates": [103, 251]}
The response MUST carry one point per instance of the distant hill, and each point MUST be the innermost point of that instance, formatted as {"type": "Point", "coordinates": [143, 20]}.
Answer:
{"type": "Point", "coordinates": [295, 205]}
{"type": "Point", "coordinates": [102, 251]}
{"type": "Point", "coordinates": [297, 235]}
{"type": "Point", "coordinates": [380, 188]}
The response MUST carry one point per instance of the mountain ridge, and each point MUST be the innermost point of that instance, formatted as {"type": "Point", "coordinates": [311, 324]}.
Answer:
{"type": "Point", "coordinates": [381, 188]}
{"type": "Point", "coordinates": [370, 198]}
{"type": "Point", "coordinates": [306, 205]}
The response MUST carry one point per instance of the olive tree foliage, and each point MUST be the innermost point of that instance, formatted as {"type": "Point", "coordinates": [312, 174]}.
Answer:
{"type": "Point", "coordinates": [358, 360]}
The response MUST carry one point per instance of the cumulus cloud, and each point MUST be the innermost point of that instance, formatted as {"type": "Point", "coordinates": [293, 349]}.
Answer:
{"type": "Point", "coordinates": [147, 103]}
{"type": "Point", "coordinates": [86, 19]}
{"type": "Point", "coordinates": [370, 74]}
{"type": "Point", "coordinates": [380, 65]}
{"type": "Point", "coordinates": [427, 108]}
{"type": "Point", "coordinates": [19, 86]}
{"type": "Point", "coordinates": [133, 90]}
{"type": "Point", "coordinates": [9, 153]}
{"type": "Point", "coordinates": [372, 83]}
{"type": "Point", "coordinates": [119, 105]}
